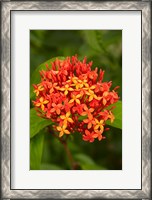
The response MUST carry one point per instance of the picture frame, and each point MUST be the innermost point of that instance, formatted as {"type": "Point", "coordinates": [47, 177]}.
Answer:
{"type": "Point", "coordinates": [7, 8]}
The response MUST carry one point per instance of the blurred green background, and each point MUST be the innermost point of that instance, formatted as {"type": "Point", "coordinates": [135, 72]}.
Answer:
{"type": "Point", "coordinates": [104, 48]}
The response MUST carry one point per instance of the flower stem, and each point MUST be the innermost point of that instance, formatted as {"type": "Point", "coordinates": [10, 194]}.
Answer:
{"type": "Point", "coordinates": [66, 148]}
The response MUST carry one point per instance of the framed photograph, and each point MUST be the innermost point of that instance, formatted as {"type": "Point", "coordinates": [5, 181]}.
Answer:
{"type": "Point", "coordinates": [76, 119]}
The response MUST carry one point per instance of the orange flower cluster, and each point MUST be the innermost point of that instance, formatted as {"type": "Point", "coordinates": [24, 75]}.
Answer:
{"type": "Point", "coordinates": [75, 98]}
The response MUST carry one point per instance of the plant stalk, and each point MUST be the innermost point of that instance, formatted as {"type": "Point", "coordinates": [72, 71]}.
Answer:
{"type": "Point", "coordinates": [67, 150]}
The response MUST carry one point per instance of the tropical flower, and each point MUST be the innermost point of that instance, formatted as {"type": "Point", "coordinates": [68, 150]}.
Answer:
{"type": "Point", "coordinates": [66, 89]}
{"type": "Point", "coordinates": [88, 136]}
{"type": "Point", "coordinates": [66, 118]}
{"type": "Point", "coordinates": [75, 98]}
{"type": "Point", "coordinates": [87, 111]}
{"type": "Point", "coordinates": [90, 121]}
{"type": "Point", "coordinates": [62, 130]}
{"type": "Point", "coordinates": [38, 89]}
{"type": "Point", "coordinates": [41, 103]}
{"type": "Point", "coordinates": [56, 108]}
{"type": "Point", "coordinates": [98, 134]}
{"type": "Point", "coordinates": [99, 125]}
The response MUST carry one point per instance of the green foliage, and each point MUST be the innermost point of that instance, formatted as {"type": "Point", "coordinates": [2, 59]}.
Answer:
{"type": "Point", "coordinates": [117, 111]}
{"type": "Point", "coordinates": [92, 40]}
{"type": "Point", "coordinates": [46, 166]}
{"type": "Point", "coordinates": [81, 118]}
{"type": "Point", "coordinates": [36, 148]}
{"type": "Point", "coordinates": [86, 162]}
{"type": "Point", "coordinates": [37, 123]}
{"type": "Point", "coordinates": [104, 48]}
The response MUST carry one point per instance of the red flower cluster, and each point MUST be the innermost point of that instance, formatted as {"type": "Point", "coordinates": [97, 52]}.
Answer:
{"type": "Point", "coordinates": [75, 98]}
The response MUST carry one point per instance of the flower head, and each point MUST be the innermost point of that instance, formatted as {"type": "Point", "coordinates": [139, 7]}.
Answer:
{"type": "Point", "coordinates": [75, 98]}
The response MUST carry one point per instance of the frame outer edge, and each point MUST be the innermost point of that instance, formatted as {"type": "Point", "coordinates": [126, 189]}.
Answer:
{"type": "Point", "coordinates": [5, 171]}
{"type": "Point", "coordinates": [5, 134]}
{"type": "Point", "coordinates": [146, 100]}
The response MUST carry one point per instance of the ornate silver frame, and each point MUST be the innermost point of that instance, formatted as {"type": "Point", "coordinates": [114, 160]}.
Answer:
{"type": "Point", "coordinates": [144, 7]}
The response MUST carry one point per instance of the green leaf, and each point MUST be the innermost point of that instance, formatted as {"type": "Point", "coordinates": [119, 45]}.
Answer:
{"type": "Point", "coordinates": [47, 166]}
{"type": "Point", "coordinates": [36, 148]}
{"type": "Point", "coordinates": [81, 118]}
{"type": "Point", "coordinates": [112, 37]}
{"type": "Point", "coordinates": [92, 167]}
{"type": "Point", "coordinates": [118, 115]}
{"type": "Point", "coordinates": [86, 162]}
{"type": "Point", "coordinates": [91, 39]}
{"type": "Point", "coordinates": [37, 123]}
{"type": "Point", "coordinates": [35, 79]}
